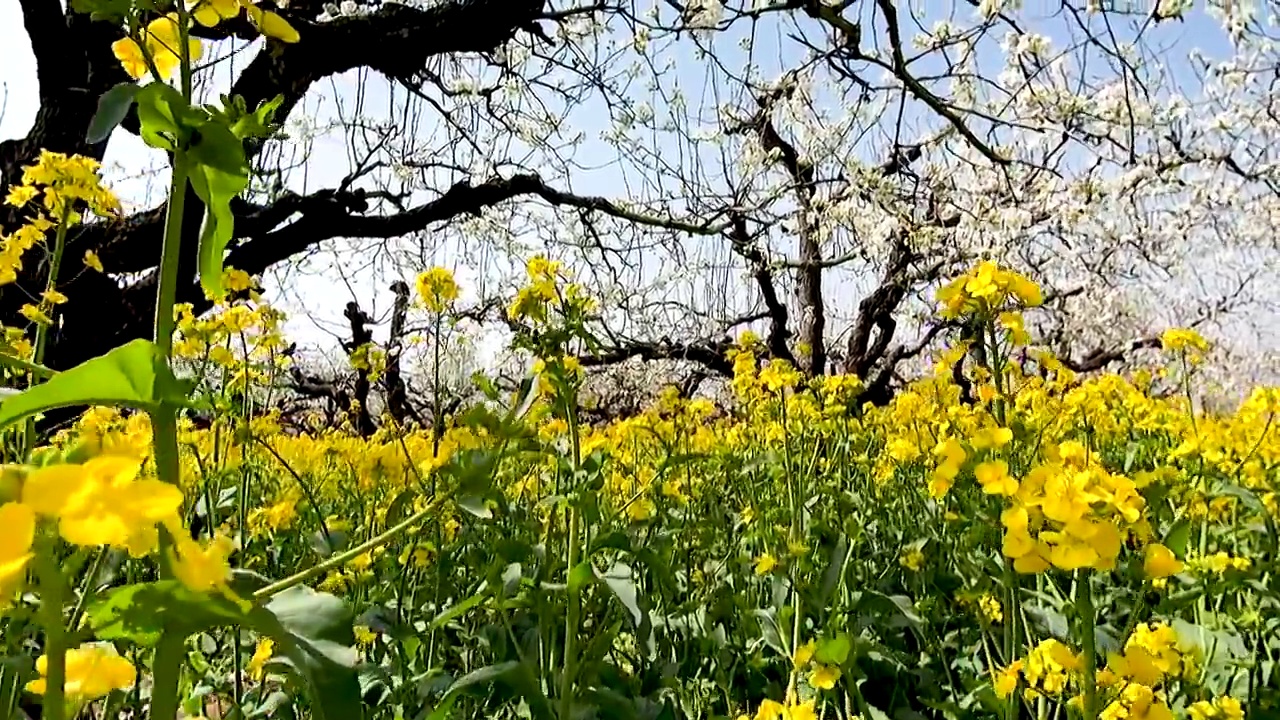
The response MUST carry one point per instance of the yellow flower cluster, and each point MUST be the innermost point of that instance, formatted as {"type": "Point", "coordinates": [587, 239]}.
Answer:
{"type": "Point", "coordinates": [1050, 668]}
{"type": "Point", "coordinates": [1137, 702]}
{"type": "Point", "coordinates": [159, 52]}
{"type": "Point", "coordinates": [211, 12]}
{"type": "Point", "coordinates": [1183, 340]}
{"type": "Point", "coordinates": [161, 39]}
{"type": "Point", "coordinates": [92, 671]}
{"type": "Point", "coordinates": [244, 339]}
{"type": "Point", "coordinates": [65, 185]}
{"type": "Point", "coordinates": [790, 710]}
{"type": "Point", "coordinates": [1069, 513]}
{"type": "Point", "coordinates": [546, 289]}
{"type": "Point", "coordinates": [1218, 563]}
{"type": "Point", "coordinates": [1220, 708]}
{"type": "Point", "coordinates": [985, 291]}
{"type": "Point", "coordinates": [1150, 655]}
{"type": "Point", "coordinates": [437, 289]}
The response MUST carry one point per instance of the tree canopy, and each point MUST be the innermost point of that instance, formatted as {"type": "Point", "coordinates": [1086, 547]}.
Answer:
{"type": "Point", "coordinates": [808, 168]}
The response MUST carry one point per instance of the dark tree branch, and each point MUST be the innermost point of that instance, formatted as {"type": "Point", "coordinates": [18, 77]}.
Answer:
{"type": "Point", "coordinates": [779, 330]}
{"type": "Point", "coordinates": [396, 40]}
{"type": "Point", "coordinates": [393, 380]}
{"type": "Point", "coordinates": [360, 336]}
{"type": "Point", "coordinates": [1100, 358]}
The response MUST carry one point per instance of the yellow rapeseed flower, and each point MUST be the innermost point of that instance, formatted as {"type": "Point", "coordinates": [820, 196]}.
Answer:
{"type": "Point", "coordinates": [765, 564]}
{"type": "Point", "coordinates": [824, 677]}
{"type": "Point", "coordinates": [1160, 562]}
{"type": "Point", "coordinates": [270, 24]}
{"type": "Point", "coordinates": [93, 671]}
{"type": "Point", "coordinates": [202, 568]}
{"type": "Point", "coordinates": [17, 531]}
{"type": "Point", "coordinates": [102, 502]}
{"type": "Point", "coordinates": [262, 653]}
{"type": "Point", "coordinates": [211, 12]}
{"type": "Point", "coordinates": [437, 288]}
{"type": "Point", "coordinates": [161, 39]}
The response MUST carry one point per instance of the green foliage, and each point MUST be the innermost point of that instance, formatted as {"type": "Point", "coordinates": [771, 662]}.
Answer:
{"type": "Point", "coordinates": [212, 152]}
{"type": "Point", "coordinates": [133, 375]}
{"type": "Point", "coordinates": [113, 106]}
{"type": "Point", "coordinates": [312, 630]}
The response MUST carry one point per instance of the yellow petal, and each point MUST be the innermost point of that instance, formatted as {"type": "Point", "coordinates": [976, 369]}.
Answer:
{"type": "Point", "coordinates": [50, 491]}
{"type": "Point", "coordinates": [277, 27]}
{"type": "Point", "coordinates": [271, 24]}
{"type": "Point", "coordinates": [17, 530]}
{"type": "Point", "coordinates": [129, 54]}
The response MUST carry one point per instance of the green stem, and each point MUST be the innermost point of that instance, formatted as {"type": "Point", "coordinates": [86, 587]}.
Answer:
{"type": "Point", "coordinates": [437, 420]}
{"type": "Point", "coordinates": [42, 331]}
{"type": "Point", "coordinates": [165, 418]}
{"type": "Point", "coordinates": [19, 364]}
{"type": "Point", "coordinates": [88, 588]}
{"type": "Point", "coordinates": [344, 557]}
{"type": "Point", "coordinates": [572, 617]}
{"type": "Point", "coordinates": [166, 672]}
{"type": "Point", "coordinates": [1084, 609]}
{"type": "Point", "coordinates": [55, 635]}
{"type": "Point", "coordinates": [571, 621]}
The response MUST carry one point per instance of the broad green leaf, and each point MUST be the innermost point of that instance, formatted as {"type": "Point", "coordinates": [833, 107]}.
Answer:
{"type": "Point", "coordinates": [834, 651]}
{"type": "Point", "coordinates": [621, 581]}
{"type": "Point", "coordinates": [313, 630]}
{"type": "Point", "coordinates": [835, 570]}
{"type": "Point", "coordinates": [141, 613]}
{"type": "Point", "coordinates": [516, 674]}
{"type": "Point", "coordinates": [476, 678]}
{"type": "Point", "coordinates": [133, 375]}
{"type": "Point", "coordinates": [895, 610]}
{"type": "Point", "coordinates": [112, 11]}
{"type": "Point", "coordinates": [166, 118]}
{"type": "Point", "coordinates": [475, 505]}
{"type": "Point", "coordinates": [459, 609]}
{"type": "Point", "coordinates": [616, 540]}
{"type": "Point", "coordinates": [580, 576]}
{"type": "Point", "coordinates": [219, 172]}
{"type": "Point", "coordinates": [112, 108]}
{"type": "Point", "coordinates": [1176, 540]}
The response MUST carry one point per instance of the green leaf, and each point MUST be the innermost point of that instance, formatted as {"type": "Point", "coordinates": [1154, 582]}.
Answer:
{"type": "Point", "coordinates": [459, 609]}
{"type": "Point", "coordinates": [112, 108]}
{"type": "Point", "coordinates": [133, 375]}
{"type": "Point", "coordinates": [219, 173]}
{"type": "Point", "coordinates": [621, 581]}
{"type": "Point", "coordinates": [1245, 495]}
{"type": "Point", "coordinates": [313, 630]}
{"type": "Point", "coordinates": [259, 123]}
{"type": "Point", "coordinates": [835, 570]}
{"type": "Point", "coordinates": [580, 576]}
{"type": "Point", "coordinates": [141, 613]}
{"type": "Point", "coordinates": [112, 11]}
{"type": "Point", "coordinates": [516, 674]}
{"type": "Point", "coordinates": [476, 678]}
{"type": "Point", "coordinates": [895, 610]}
{"type": "Point", "coordinates": [166, 118]}
{"type": "Point", "coordinates": [1176, 540]}
{"type": "Point", "coordinates": [834, 651]}
{"type": "Point", "coordinates": [474, 504]}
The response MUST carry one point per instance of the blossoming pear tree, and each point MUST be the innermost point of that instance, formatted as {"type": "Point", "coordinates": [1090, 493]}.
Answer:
{"type": "Point", "coordinates": [808, 169]}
